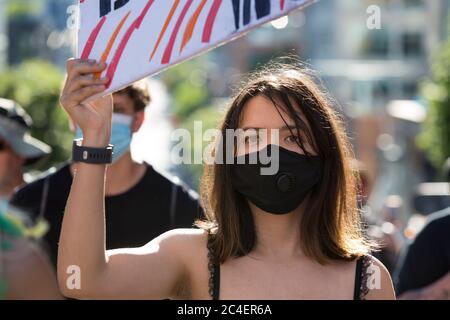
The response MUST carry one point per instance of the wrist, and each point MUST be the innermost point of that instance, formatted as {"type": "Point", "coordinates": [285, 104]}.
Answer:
{"type": "Point", "coordinates": [96, 138]}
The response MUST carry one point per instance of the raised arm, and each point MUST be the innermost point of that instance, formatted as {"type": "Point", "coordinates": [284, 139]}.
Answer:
{"type": "Point", "coordinates": [85, 269]}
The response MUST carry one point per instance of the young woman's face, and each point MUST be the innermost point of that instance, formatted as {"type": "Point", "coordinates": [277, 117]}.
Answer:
{"type": "Point", "coordinates": [262, 125]}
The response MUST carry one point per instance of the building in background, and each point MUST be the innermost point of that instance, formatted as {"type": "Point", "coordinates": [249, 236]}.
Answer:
{"type": "Point", "coordinates": [3, 35]}
{"type": "Point", "coordinates": [35, 29]}
{"type": "Point", "coordinates": [368, 70]}
{"type": "Point", "coordinates": [372, 67]}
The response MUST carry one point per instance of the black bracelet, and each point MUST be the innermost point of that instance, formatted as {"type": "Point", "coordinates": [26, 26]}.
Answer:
{"type": "Point", "coordinates": [91, 155]}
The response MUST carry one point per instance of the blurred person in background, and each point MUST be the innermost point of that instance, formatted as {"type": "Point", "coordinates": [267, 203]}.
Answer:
{"type": "Point", "coordinates": [424, 272]}
{"type": "Point", "coordinates": [381, 229]}
{"type": "Point", "coordinates": [141, 203]}
{"type": "Point", "coordinates": [17, 148]}
{"type": "Point", "coordinates": [25, 271]}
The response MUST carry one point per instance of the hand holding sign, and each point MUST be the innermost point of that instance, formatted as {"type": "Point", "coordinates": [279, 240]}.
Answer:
{"type": "Point", "coordinates": [139, 38]}
{"type": "Point", "coordinates": [94, 117]}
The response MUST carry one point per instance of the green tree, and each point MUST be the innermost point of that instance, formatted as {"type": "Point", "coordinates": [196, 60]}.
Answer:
{"type": "Point", "coordinates": [209, 117]}
{"type": "Point", "coordinates": [35, 84]}
{"type": "Point", "coordinates": [19, 8]}
{"type": "Point", "coordinates": [435, 138]}
{"type": "Point", "coordinates": [192, 102]}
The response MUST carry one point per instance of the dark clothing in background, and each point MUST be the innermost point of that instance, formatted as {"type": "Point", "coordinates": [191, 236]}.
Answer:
{"type": "Point", "coordinates": [151, 207]}
{"type": "Point", "coordinates": [428, 257]}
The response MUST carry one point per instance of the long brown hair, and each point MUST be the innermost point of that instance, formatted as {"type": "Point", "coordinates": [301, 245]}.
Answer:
{"type": "Point", "coordinates": [330, 226]}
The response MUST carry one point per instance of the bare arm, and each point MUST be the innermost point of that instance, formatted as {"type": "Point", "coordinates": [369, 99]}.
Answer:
{"type": "Point", "coordinates": [152, 271]}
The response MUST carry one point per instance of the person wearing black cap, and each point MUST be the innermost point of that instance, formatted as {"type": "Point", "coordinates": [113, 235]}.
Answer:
{"type": "Point", "coordinates": [17, 148]}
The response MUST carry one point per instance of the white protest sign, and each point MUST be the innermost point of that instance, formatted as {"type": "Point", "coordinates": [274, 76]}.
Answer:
{"type": "Point", "coordinates": [139, 38]}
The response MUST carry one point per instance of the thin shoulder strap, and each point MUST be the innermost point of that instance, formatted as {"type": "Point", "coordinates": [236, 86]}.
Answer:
{"type": "Point", "coordinates": [216, 289]}
{"type": "Point", "coordinates": [214, 272]}
{"type": "Point", "coordinates": [361, 277]}
{"type": "Point", "coordinates": [358, 278]}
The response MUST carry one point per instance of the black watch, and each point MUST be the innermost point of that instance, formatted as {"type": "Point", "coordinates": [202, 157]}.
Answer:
{"type": "Point", "coordinates": [91, 155]}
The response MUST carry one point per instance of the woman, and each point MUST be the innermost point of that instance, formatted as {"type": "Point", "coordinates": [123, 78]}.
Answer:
{"type": "Point", "coordinates": [290, 235]}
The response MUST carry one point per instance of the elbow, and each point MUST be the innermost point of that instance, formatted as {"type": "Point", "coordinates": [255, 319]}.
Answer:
{"type": "Point", "coordinates": [70, 282]}
{"type": "Point", "coordinates": [68, 288]}
{"type": "Point", "coordinates": [71, 292]}
{"type": "Point", "coordinates": [75, 285]}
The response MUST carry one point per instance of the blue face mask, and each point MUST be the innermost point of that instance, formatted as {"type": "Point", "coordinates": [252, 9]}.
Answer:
{"type": "Point", "coordinates": [120, 134]}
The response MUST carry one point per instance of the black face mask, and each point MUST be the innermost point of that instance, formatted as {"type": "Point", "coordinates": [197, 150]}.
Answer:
{"type": "Point", "coordinates": [278, 193]}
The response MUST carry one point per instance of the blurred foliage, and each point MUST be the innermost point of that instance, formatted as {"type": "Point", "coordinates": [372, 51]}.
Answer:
{"type": "Point", "coordinates": [35, 85]}
{"type": "Point", "coordinates": [186, 83]}
{"type": "Point", "coordinates": [192, 101]}
{"type": "Point", "coordinates": [209, 117]}
{"type": "Point", "coordinates": [435, 138]}
{"type": "Point", "coordinates": [17, 8]}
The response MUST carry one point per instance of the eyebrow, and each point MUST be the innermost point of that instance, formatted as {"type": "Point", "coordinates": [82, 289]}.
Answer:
{"type": "Point", "coordinates": [289, 127]}
{"type": "Point", "coordinates": [118, 106]}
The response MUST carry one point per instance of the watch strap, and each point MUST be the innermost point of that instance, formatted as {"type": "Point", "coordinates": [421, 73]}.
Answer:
{"type": "Point", "coordinates": [91, 155]}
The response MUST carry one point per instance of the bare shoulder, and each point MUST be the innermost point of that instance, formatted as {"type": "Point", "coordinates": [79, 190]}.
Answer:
{"type": "Point", "coordinates": [178, 246]}
{"type": "Point", "coordinates": [184, 237]}
{"type": "Point", "coordinates": [184, 243]}
{"type": "Point", "coordinates": [175, 256]}
{"type": "Point", "coordinates": [377, 280]}
{"type": "Point", "coordinates": [190, 248]}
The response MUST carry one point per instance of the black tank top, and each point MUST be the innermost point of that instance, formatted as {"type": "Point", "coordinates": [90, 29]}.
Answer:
{"type": "Point", "coordinates": [359, 292]}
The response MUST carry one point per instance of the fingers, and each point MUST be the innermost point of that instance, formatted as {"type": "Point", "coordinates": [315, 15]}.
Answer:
{"type": "Point", "coordinates": [78, 67]}
{"type": "Point", "coordinates": [84, 81]}
{"type": "Point", "coordinates": [75, 98]}
{"type": "Point", "coordinates": [80, 83]}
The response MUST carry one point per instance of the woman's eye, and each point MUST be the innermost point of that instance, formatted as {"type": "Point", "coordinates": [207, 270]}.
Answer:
{"type": "Point", "coordinates": [293, 139]}
{"type": "Point", "coordinates": [251, 139]}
